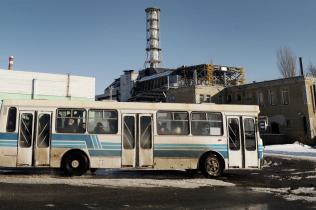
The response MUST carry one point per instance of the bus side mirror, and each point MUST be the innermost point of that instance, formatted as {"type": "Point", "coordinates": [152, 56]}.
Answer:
{"type": "Point", "coordinates": [263, 123]}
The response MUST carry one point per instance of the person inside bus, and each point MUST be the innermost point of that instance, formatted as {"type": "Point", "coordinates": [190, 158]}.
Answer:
{"type": "Point", "coordinates": [71, 126]}
{"type": "Point", "coordinates": [99, 128]}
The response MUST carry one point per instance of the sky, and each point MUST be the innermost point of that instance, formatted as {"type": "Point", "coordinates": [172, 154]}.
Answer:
{"type": "Point", "coordinates": [101, 38]}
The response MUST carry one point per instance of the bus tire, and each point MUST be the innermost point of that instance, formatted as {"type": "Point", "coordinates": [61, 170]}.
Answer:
{"type": "Point", "coordinates": [211, 166]}
{"type": "Point", "coordinates": [75, 163]}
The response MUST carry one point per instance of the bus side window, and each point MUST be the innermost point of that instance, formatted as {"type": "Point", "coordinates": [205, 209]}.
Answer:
{"type": "Point", "coordinates": [103, 121]}
{"type": "Point", "coordinates": [71, 121]}
{"type": "Point", "coordinates": [11, 120]}
{"type": "Point", "coordinates": [172, 123]}
{"type": "Point", "coordinates": [206, 124]}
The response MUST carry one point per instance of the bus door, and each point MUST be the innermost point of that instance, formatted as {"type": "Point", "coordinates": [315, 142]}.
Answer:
{"type": "Point", "coordinates": [34, 138]}
{"type": "Point", "coordinates": [137, 140]}
{"type": "Point", "coordinates": [235, 155]}
{"type": "Point", "coordinates": [42, 139]}
{"type": "Point", "coordinates": [250, 142]}
{"type": "Point", "coordinates": [26, 135]}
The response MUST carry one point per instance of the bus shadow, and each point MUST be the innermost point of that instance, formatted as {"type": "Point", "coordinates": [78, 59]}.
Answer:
{"type": "Point", "coordinates": [105, 173]}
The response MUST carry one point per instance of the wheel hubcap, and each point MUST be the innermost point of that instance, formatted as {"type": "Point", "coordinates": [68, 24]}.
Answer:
{"type": "Point", "coordinates": [75, 163]}
{"type": "Point", "coordinates": [212, 166]}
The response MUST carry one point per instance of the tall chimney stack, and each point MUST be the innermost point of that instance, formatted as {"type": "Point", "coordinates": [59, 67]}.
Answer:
{"type": "Point", "coordinates": [301, 66]}
{"type": "Point", "coordinates": [152, 34]}
{"type": "Point", "coordinates": [11, 61]}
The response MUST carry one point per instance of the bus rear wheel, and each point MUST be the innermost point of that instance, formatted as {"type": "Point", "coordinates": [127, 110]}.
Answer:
{"type": "Point", "coordinates": [75, 164]}
{"type": "Point", "coordinates": [211, 166]}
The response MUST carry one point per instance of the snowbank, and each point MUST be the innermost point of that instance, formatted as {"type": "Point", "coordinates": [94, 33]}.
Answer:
{"type": "Point", "coordinates": [296, 149]}
{"type": "Point", "coordinates": [123, 182]}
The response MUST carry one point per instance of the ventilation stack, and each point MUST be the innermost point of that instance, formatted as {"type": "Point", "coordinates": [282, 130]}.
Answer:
{"type": "Point", "coordinates": [11, 62]}
{"type": "Point", "coordinates": [152, 35]}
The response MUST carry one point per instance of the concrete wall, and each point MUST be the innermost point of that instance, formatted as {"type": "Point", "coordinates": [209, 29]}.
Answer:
{"type": "Point", "coordinates": [35, 85]}
{"type": "Point", "coordinates": [181, 95]}
{"type": "Point", "coordinates": [193, 94]}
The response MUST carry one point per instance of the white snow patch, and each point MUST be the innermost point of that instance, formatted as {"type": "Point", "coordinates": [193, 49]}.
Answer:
{"type": "Point", "coordinates": [311, 177]}
{"type": "Point", "coordinates": [292, 169]}
{"type": "Point", "coordinates": [295, 178]}
{"type": "Point", "coordinates": [50, 205]}
{"type": "Point", "coordinates": [296, 149]}
{"type": "Point", "coordinates": [304, 172]}
{"type": "Point", "coordinates": [116, 182]}
{"type": "Point", "coordinates": [302, 193]}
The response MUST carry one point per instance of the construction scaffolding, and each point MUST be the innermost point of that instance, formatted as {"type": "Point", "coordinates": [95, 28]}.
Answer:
{"type": "Point", "coordinates": [209, 74]}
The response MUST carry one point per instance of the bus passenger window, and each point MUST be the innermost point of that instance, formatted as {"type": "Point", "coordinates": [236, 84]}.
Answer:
{"type": "Point", "coordinates": [206, 124]}
{"type": "Point", "coordinates": [11, 120]}
{"type": "Point", "coordinates": [103, 121]}
{"type": "Point", "coordinates": [172, 123]}
{"type": "Point", "coordinates": [71, 121]}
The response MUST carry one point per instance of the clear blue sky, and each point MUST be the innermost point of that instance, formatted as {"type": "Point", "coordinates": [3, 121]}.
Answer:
{"type": "Point", "coordinates": [102, 38]}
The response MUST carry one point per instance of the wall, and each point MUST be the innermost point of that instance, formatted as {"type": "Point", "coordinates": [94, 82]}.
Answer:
{"type": "Point", "coordinates": [181, 95]}
{"type": "Point", "coordinates": [34, 85]}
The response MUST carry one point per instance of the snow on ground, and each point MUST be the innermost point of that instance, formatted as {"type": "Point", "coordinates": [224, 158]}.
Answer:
{"type": "Point", "coordinates": [114, 182]}
{"type": "Point", "coordinates": [296, 149]}
{"type": "Point", "coordinates": [302, 193]}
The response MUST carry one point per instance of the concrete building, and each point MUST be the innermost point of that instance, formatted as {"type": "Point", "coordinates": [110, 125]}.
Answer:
{"type": "Point", "coordinates": [121, 88]}
{"type": "Point", "coordinates": [35, 85]}
{"type": "Point", "coordinates": [289, 105]}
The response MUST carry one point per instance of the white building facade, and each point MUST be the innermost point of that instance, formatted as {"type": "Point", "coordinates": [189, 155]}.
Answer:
{"type": "Point", "coordinates": [35, 85]}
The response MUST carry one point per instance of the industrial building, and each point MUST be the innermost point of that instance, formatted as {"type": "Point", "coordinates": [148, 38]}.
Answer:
{"type": "Point", "coordinates": [289, 105]}
{"type": "Point", "coordinates": [35, 85]}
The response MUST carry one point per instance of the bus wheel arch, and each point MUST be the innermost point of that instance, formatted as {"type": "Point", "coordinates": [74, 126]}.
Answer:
{"type": "Point", "coordinates": [75, 162]}
{"type": "Point", "coordinates": [211, 164]}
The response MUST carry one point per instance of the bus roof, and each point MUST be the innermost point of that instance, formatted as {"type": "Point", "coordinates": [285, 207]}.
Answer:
{"type": "Point", "coordinates": [132, 105]}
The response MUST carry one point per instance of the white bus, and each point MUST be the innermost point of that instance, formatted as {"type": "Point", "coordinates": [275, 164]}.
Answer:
{"type": "Point", "coordinates": [81, 136]}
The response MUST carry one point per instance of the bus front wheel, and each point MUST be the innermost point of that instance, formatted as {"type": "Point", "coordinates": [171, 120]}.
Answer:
{"type": "Point", "coordinates": [211, 166]}
{"type": "Point", "coordinates": [75, 164]}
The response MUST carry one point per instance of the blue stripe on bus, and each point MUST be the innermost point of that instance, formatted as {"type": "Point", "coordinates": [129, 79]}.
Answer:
{"type": "Point", "coordinates": [103, 152]}
{"type": "Point", "coordinates": [9, 136]}
{"type": "Point", "coordinates": [184, 153]}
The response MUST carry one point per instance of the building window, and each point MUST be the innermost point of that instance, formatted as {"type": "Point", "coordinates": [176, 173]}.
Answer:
{"type": "Point", "coordinates": [220, 99]}
{"type": "Point", "coordinates": [238, 97]}
{"type": "Point", "coordinates": [288, 123]}
{"type": "Point", "coordinates": [172, 123]}
{"type": "Point", "coordinates": [201, 98]}
{"type": "Point", "coordinates": [285, 97]}
{"type": "Point", "coordinates": [71, 121]}
{"type": "Point", "coordinates": [272, 98]}
{"type": "Point", "coordinates": [260, 100]}
{"type": "Point", "coordinates": [208, 98]}
{"type": "Point", "coordinates": [275, 128]}
{"type": "Point", "coordinates": [229, 99]}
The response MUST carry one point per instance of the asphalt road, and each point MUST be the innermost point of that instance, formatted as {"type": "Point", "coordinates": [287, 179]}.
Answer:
{"type": "Point", "coordinates": [282, 184]}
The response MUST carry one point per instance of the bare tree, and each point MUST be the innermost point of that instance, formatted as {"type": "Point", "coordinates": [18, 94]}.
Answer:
{"type": "Point", "coordinates": [312, 69]}
{"type": "Point", "coordinates": [286, 61]}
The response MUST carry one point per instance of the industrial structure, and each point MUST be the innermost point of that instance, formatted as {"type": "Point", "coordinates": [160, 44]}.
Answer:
{"type": "Point", "coordinates": [287, 105]}
{"type": "Point", "coordinates": [153, 59]}
{"type": "Point", "coordinates": [153, 83]}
